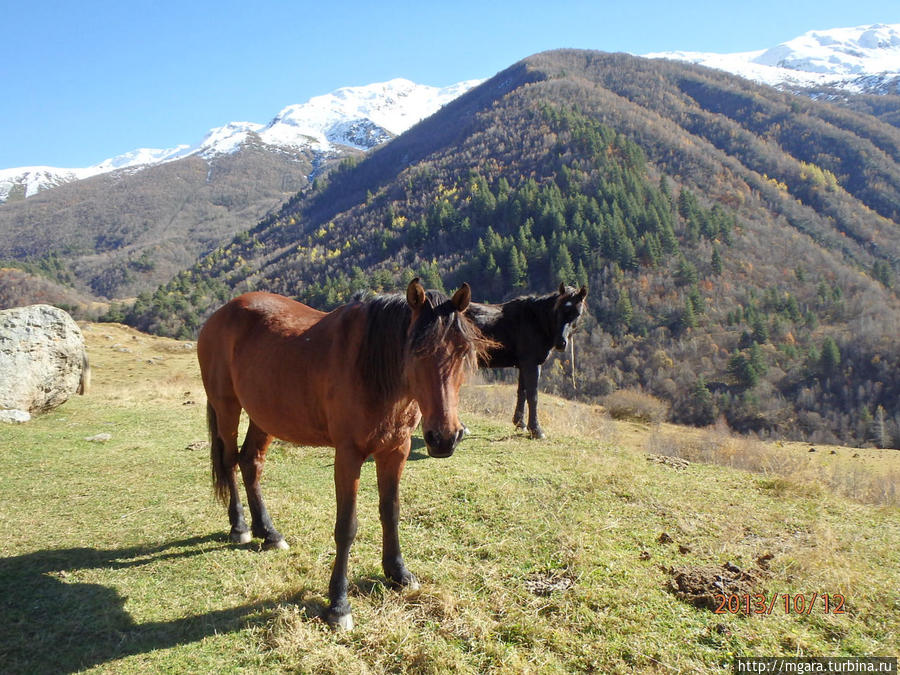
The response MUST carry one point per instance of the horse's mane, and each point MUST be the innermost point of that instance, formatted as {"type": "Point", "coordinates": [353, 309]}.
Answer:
{"type": "Point", "coordinates": [387, 346]}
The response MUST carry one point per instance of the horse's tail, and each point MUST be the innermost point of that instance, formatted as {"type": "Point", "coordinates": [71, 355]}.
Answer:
{"type": "Point", "coordinates": [220, 475]}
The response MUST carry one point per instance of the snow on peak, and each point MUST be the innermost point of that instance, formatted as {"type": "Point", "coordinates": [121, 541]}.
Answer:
{"type": "Point", "coordinates": [863, 50]}
{"type": "Point", "coordinates": [29, 180]}
{"type": "Point", "coordinates": [358, 117]}
{"type": "Point", "coordinates": [138, 157]}
{"type": "Point", "coordinates": [847, 58]}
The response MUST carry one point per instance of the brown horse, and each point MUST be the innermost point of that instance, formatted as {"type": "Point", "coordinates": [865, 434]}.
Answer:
{"type": "Point", "coordinates": [358, 379]}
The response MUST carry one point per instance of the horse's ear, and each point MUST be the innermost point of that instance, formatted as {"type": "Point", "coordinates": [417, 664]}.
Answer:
{"type": "Point", "coordinates": [462, 297]}
{"type": "Point", "coordinates": [562, 287]}
{"type": "Point", "coordinates": [415, 294]}
{"type": "Point", "coordinates": [582, 294]}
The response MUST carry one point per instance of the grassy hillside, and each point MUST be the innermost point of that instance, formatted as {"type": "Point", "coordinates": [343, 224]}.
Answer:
{"type": "Point", "coordinates": [534, 556]}
{"type": "Point", "coordinates": [740, 244]}
{"type": "Point", "coordinates": [128, 231]}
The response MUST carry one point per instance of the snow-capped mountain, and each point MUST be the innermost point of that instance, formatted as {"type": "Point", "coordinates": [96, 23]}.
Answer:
{"type": "Point", "coordinates": [355, 117]}
{"type": "Point", "coordinates": [863, 59]}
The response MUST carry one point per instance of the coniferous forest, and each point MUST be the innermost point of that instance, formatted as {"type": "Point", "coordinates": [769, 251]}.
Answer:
{"type": "Point", "coordinates": [740, 245]}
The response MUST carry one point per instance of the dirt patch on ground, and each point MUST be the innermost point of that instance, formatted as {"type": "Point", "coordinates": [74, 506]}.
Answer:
{"type": "Point", "coordinates": [711, 586]}
{"type": "Point", "coordinates": [676, 463]}
{"type": "Point", "coordinates": [550, 581]}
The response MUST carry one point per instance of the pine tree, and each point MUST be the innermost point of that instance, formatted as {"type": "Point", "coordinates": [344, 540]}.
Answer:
{"type": "Point", "coordinates": [688, 316]}
{"type": "Point", "coordinates": [830, 358]}
{"type": "Point", "coordinates": [517, 273]}
{"type": "Point", "coordinates": [702, 407]}
{"type": "Point", "coordinates": [686, 272]}
{"type": "Point", "coordinates": [715, 262]}
{"type": "Point", "coordinates": [696, 300]}
{"type": "Point", "coordinates": [759, 328]}
{"type": "Point", "coordinates": [624, 309]}
{"type": "Point", "coordinates": [757, 359]}
{"type": "Point", "coordinates": [664, 190]}
{"type": "Point", "coordinates": [562, 268]}
{"type": "Point", "coordinates": [581, 275]}
{"type": "Point", "coordinates": [742, 370]}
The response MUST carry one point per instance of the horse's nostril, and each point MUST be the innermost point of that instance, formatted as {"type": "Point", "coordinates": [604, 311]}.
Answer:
{"type": "Point", "coordinates": [431, 439]}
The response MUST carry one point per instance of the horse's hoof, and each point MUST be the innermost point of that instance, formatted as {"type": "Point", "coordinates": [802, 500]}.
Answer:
{"type": "Point", "coordinates": [342, 622]}
{"type": "Point", "coordinates": [407, 582]}
{"type": "Point", "coordinates": [537, 434]}
{"type": "Point", "coordinates": [241, 537]}
{"type": "Point", "coordinates": [279, 544]}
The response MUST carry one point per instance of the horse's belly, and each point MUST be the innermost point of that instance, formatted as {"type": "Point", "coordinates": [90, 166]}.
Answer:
{"type": "Point", "coordinates": [290, 423]}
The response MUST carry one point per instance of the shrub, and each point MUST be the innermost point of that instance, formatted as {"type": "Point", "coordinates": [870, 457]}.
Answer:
{"type": "Point", "coordinates": [632, 404]}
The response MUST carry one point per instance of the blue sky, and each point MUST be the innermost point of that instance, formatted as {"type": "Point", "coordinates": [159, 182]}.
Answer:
{"type": "Point", "coordinates": [83, 81]}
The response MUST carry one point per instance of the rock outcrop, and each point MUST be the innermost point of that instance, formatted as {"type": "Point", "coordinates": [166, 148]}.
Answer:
{"type": "Point", "coordinates": [42, 358]}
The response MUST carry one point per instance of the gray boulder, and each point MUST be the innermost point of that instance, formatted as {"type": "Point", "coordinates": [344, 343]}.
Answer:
{"type": "Point", "coordinates": [42, 358]}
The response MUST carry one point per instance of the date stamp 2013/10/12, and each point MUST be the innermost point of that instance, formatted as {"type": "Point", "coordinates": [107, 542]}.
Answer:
{"type": "Point", "coordinates": [789, 603]}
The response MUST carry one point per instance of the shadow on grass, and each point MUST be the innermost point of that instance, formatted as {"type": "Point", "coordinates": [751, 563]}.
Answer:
{"type": "Point", "coordinates": [417, 450]}
{"type": "Point", "coordinates": [54, 624]}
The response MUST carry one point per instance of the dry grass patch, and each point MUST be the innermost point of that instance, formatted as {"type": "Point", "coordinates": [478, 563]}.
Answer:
{"type": "Point", "coordinates": [558, 416]}
{"type": "Point", "coordinates": [787, 467]}
{"type": "Point", "coordinates": [634, 405]}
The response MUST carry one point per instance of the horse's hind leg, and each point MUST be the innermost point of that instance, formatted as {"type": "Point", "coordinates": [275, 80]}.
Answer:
{"type": "Point", "coordinates": [519, 414]}
{"type": "Point", "coordinates": [530, 376]}
{"type": "Point", "coordinates": [223, 427]}
{"type": "Point", "coordinates": [251, 459]}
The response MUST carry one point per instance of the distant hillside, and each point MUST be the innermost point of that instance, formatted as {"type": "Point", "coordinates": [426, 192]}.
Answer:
{"type": "Point", "coordinates": [131, 222]}
{"type": "Point", "coordinates": [740, 244]}
{"type": "Point", "coordinates": [124, 232]}
{"type": "Point", "coordinates": [358, 118]}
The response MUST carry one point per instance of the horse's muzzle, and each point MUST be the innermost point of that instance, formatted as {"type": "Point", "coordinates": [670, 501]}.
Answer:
{"type": "Point", "coordinates": [440, 445]}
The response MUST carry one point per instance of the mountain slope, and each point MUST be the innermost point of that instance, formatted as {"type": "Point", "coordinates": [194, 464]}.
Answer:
{"type": "Point", "coordinates": [131, 222]}
{"type": "Point", "coordinates": [351, 117]}
{"type": "Point", "coordinates": [739, 243]}
{"type": "Point", "coordinates": [123, 232]}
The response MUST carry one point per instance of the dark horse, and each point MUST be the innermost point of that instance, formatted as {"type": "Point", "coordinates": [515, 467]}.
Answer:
{"type": "Point", "coordinates": [358, 379]}
{"type": "Point", "coordinates": [525, 330]}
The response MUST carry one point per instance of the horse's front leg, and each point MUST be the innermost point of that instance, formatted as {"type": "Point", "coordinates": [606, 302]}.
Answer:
{"type": "Point", "coordinates": [347, 464]}
{"type": "Point", "coordinates": [531, 375]}
{"type": "Point", "coordinates": [389, 467]}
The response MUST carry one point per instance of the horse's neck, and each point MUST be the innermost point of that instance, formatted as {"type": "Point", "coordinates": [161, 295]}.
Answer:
{"type": "Point", "coordinates": [543, 311]}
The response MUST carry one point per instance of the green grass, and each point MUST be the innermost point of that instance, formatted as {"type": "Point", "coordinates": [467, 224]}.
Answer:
{"type": "Point", "coordinates": [115, 556]}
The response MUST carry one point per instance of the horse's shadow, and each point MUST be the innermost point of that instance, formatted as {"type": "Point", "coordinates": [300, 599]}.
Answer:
{"type": "Point", "coordinates": [53, 623]}
{"type": "Point", "coordinates": [417, 450]}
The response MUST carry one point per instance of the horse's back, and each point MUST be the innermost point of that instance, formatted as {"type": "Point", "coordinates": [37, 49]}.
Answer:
{"type": "Point", "coordinates": [278, 359]}
{"type": "Point", "coordinates": [250, 321]}
{"type": "Point", "coordinates": [495, 325]}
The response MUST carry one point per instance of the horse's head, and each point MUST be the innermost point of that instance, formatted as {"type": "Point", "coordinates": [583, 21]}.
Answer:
{"type": "Point", "coordinates": [566, 311]}
{"type": "Point", "coordinates": [444, 347]}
